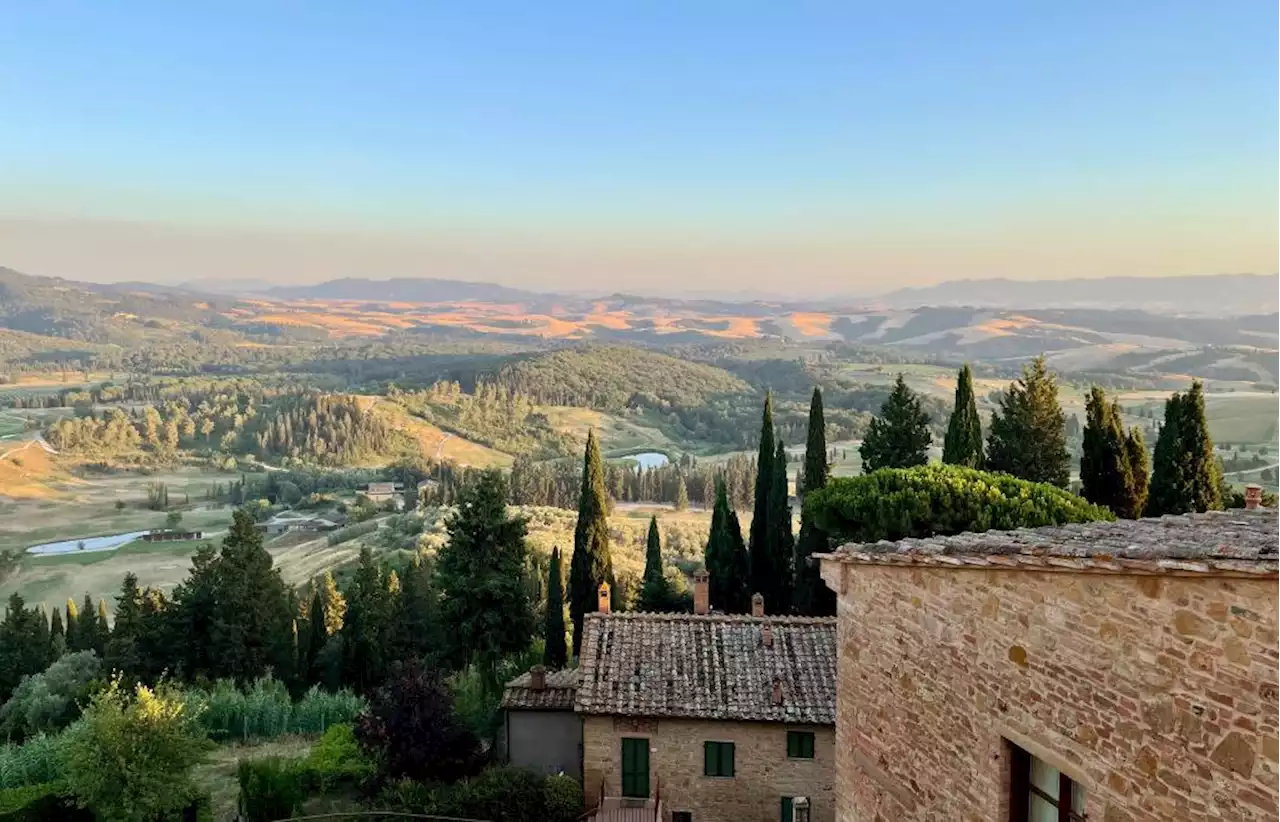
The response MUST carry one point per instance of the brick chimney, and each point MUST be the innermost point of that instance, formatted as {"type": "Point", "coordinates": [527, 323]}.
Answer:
{"type": "Point", "coordinates": [757, 605]}
{"type": "Point", "coordinates": [603, 600]}
{"type": "Point", "coordinates": [1252, 497]}
{"type": "Point", "coordinates": [766, 635]}
{"type": "Point", "coordinates": [701, 592]}
{"type": "Point", "coordinates": [537, 678]}
{"type": "Point", "coordinates": [777, 692]}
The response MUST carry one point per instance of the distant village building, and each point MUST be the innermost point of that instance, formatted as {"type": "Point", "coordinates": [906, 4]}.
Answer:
{"type": "Point", "coordinates": [384, 492]}
{"type": "Point", "coordinates": [287, 521]}
{"type": "Point", "coordinates": [1114, 672]}
{"type": "Point", "coordinates": [172, 536]}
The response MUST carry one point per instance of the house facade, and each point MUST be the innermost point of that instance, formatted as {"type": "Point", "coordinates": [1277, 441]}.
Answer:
{"type": "Point", "coordinates": [1115, 672]}
{"type": "Point", "coordinates": [714, 718]}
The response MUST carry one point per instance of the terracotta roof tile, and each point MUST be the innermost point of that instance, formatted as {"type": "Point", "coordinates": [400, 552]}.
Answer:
{"type": "Point", "coordinates": [556, 696]}
{"type": "Point", "coordinates": [709, 667]}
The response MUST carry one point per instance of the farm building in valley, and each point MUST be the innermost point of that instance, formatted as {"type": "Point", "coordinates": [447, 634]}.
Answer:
{"type": "Point", "coordinates": [1117, 672]}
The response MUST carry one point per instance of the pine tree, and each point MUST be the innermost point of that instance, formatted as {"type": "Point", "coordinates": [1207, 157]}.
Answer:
{"type": "Point", "coordinates": [1139, 471]}
{"type": "Point", "coordinates": [417, 622]}
{"type": "Point", "coordinates": [963, 445]}
{"type": "Point", "coordinates": [816, 469]}
{"type": "Point", "coordinates": [777, 595]}
{"type": "Point", "coordinates": [481, 573]}
{"type": "Point", "coordinates": [682, 495]}
{"type": "Point", "coordinates": [592, 563]}
{"type": "Point", "coordinates": [655, 591]}
{"type": "Point", "coordinates": [899, 437]}
{"type": "Point", "coordinates": [1028, 432]}
{"type": "Point", "coordinates": [725, 558]}
{"type": "Point", "coordinates": [761, 565]}
{"type": "Point", "coordinates": [366, 627]}
{"type": "Point", "coordinates": [554, 655]}
{"type": "Point", "coordinates": [122, 647]}
{"type": "Point", "coordinates": [1104, 460]}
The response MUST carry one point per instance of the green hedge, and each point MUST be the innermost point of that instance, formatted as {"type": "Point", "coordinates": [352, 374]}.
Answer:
{"type": "Point", "coordinates": [502, 794]}
{"type": "Point", "coordinates": [43, 802]}
{"type": "Point", "coordinates": [897, 503]}
{"type": "Point", "coordinates": [274, 788]}
{"type": "Point", "coordinates": [37, 761]}
{"type": "Point", "coordinates": [266, 711]}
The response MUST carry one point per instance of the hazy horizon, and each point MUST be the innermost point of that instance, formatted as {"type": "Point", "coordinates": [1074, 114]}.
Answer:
{"type": "Point", "coordinates": [809, 150]}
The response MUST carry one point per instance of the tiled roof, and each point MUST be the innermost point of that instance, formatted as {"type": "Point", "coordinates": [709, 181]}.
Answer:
{"type": "Point", "coordinates": [709, 667]}
{"type": "Point", "coordinates": [1236, 540]}
{"type": "Point", "coordinates": [556, 696]}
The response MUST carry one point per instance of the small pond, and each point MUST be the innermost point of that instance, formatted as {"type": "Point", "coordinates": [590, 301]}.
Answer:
{"type": "Point", "coordinates": [71, 546]}
{"type": "Point", "coordinates": [650, 459]}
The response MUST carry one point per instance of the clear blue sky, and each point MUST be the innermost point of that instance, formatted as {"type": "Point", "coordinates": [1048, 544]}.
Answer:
{"type": "Point", "coordinates": [835, 143]}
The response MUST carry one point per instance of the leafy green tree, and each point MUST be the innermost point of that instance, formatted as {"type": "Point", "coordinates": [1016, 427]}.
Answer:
{"type": "Point", "coordinates": [481, 574]}
{"type": "Point", "coordinates": [761, 566]}
{"type": "Point", "coordinates": [682, 495]}
{"type": "Point", "coordinates": [1186, 476]}
{"type": "Point", "coordinates": [49, 701]}
{"type": "Point", "coordinates": [816, 469]}
{"type": "Point", "coordinates": [655, 590]}
{"type": "Point", "coordinates": [1139, 470]}
{"type": "Point", "coordinates": [899, 437]}
{"type": "Point", "coordinates": [251, 612]}
{"type": "Point", "coordinates": [555, 654]}
{"type": "Point", "coordinates": [927, 500]}
{"type": "Point", "coordinates": [963, 444]}
{"type": "Point", "coordinates": [592, 563]}
{"type": "Point", "coordinates": [366, 627]}
{"type": "Point", "coordinates": [726, 558]}
{"type": "Point", "coordinates": [172, 520]}
{"type": "Point", "coordinates": [1105, 478]}
{"type": "Point", "coordinates": [1028, 435]}
{"type": "Point", "coordinates": [131, 758]}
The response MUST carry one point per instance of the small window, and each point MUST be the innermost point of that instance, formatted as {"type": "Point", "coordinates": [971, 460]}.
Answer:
{"type": "Point", "coordinates": [799, 744]}
{"type": "Point", "coordinates": [794, 809]}
{"type": "Point", "coordinates": [682, 816]}
{"type": "Point", "coordinates": [717, 758]}
{"type": "Point", "coordinates": [1042, 793]}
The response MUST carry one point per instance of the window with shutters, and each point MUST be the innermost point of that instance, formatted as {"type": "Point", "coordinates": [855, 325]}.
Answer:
{"type": "Point", "coordinates": [635, 768]}
{"type": "Point", "coordinates": [799, 744]}
{"type": "Point", "coordinates": [717, 759]}
{"type": "Point", "coordinates": [1042, 793]}
{"type": "Point", "coordinates": [682, 816]}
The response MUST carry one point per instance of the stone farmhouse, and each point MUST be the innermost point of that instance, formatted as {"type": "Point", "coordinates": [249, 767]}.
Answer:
{"type": "Point", "coordinates": [1114, 672]}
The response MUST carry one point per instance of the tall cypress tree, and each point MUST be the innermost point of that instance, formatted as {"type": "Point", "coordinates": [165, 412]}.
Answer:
{"type": "Point", "coordinates": [725, 558]}
{"type": "Point", "coordinates": [1135, 448]}
{"type": "Point", "coordinates": [417, 631]}
{"type": "Point", "coordinates": [899, 437]}
{"type": "Point", "coordinates": [122, 648]}
{"type": "Point", "coordinates": [1028, 432]}
{"type": "Point", "coordinates": [102, 628]}
{"type": "Point", "coordinates": [57, 636]}
{"type": "Point", "coordinates": [554, 655]}
{"type": "Point", "coordinates": [318, 636]}
{"type": "Point", "coordinates": [366, 627]}
{"type": "Point", "coordinates": [761, 544]}
{"type": "Point", "coordinates": [655, 590]}
{"type": "Point", "coordinates": [591, 563]}
{"type": "Point", "coordinates": [1104, 459]}
{"type": "Point", "coordinates": [1185, 476]}
{"type": "Point", "coordinates": [816, 469]}
{"type": "Point", "coordinates": [777, 595]}
{"type": "Point", "coordinates": [74, 641]}
{"type": "Point", "coordinates": [963, 445]}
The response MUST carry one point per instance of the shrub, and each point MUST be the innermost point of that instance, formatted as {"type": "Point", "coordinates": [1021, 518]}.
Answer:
{"type": "Point", "coordinates": [270, 788]}
{"type": "Point", "coordinates": [319, 710]}
{"type": "Point", "coordinates": [266, 711]}
{"type": "Point", "coordinates": [41, 759]}
{"type": "Point", "coordinates": [45, 802]}
{"type": "Point", "coordinates": [337, 759]}
{"type": "Point", "coordinates": [897, 503]}
{"type": "Point", "coordinates": [498, 794]}
{"type": "Point", "coordinates": [564, 798]}
{"type": "Point", "coordinates": [351, 532]}
{"type": "Point", "coordinates": [50, 700]}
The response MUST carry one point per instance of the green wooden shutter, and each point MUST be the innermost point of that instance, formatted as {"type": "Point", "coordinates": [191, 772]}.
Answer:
{"type": "Point", "coordinates": [709, 759]}
{"type": "Point", "coordinates": [786, 809]}
{"type": "Point", "coordinates": [635, 767]}
{"type": "Point", "coordinates": [726, 759]}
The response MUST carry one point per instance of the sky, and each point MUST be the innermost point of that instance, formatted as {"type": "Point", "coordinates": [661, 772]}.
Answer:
{"type": "Point", "coordinates": [712, 147]}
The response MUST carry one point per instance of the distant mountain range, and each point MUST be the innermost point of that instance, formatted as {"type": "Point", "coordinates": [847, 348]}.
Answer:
{"type": "Point", "coordinates": [1210, 294]}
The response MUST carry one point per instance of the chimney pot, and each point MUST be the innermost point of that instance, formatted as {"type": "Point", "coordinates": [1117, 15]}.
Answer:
{"type": "Point", "coordinates": [604, 601]}
{"type": "Point", "coordinates": [777, 692]}
{"type": "Point", "coordinates": [1252, 497]}
{"type": "Point", "coordinates": [766, 635]}
{"type": "Point", "coordinates": [757, 605]}
{"type": "Point", "coordinates": [701, 592]}
{"type": "Point", "coordinates": [537, 678]}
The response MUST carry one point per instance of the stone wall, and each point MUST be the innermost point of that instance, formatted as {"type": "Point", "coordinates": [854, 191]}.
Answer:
{"type": "Point", "coordinates": [762, 772]}
{"type": "Point", "coordinates": [1157, 692]}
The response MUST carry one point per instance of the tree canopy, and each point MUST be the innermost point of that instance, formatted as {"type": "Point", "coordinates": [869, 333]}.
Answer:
{"type": "Point", "coordinates": [899, 437]}
{"type": "Point", "coordinates": [963, 443]}
{"type": "Point", "coordinates": [1028, 430]}
{"type": "Point", "coordinates": [592, 563]}
{"type": "Point", "coordinates": [1185, 476]}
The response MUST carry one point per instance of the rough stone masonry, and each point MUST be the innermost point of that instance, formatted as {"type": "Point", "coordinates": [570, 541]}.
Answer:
{"type": "Point", "coordinates": [1139, 658]}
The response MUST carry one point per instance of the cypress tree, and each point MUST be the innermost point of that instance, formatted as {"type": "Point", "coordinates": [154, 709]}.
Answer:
{"type": "Point", "coordinates": [682, 494]}
{"type": "Point", "coordinates": [816, 469]}
{"type": "Point", "coordinates": [655, 590]}
{"type": "Point", "coordinates": [1028, 432]}
{"type": "Point", "coordinates": [554, 655]}
{"type": "Point", "coordinates": [74, 642]}
{"type": "Point", "coordinates": [899, 437]}
{"type": "Point", "coordinates": [1104, 458]}
{"type": "Point", "coordinates": [963, 444]}
{"type": "Point", "coordinates": [761, 562]}
{"type": "Point", "coordinates": [366, 626]}
{"type": "Point", "coordinates": [1139, 472]}
{"type": "Point", "coordinates": [417, 632]}
{"type": "Point", "coordinates": [102, 631]}
{"type": "Point", "coordinates": [1185, 477]}
{"type": "Point", "coordinates": [122, 648]}
{"type": "Point", "coordinates": [591, 563]}
{"type": "Point", "coordinates": [57, 636]}
{"type": "Point", "coordinates": [317, 637]}
{"type": "Point", "coordinates": [777, 595]}
{"type": "Point", "coordinates": [725, 558]}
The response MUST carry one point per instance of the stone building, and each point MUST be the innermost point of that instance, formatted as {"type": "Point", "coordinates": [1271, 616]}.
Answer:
{"type": "Point", "coordinates": [1117, 672]}
{"type": "Point", "coordinates": [540, 731]}
{"type": "Point", "coordinates": [708, 718]}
